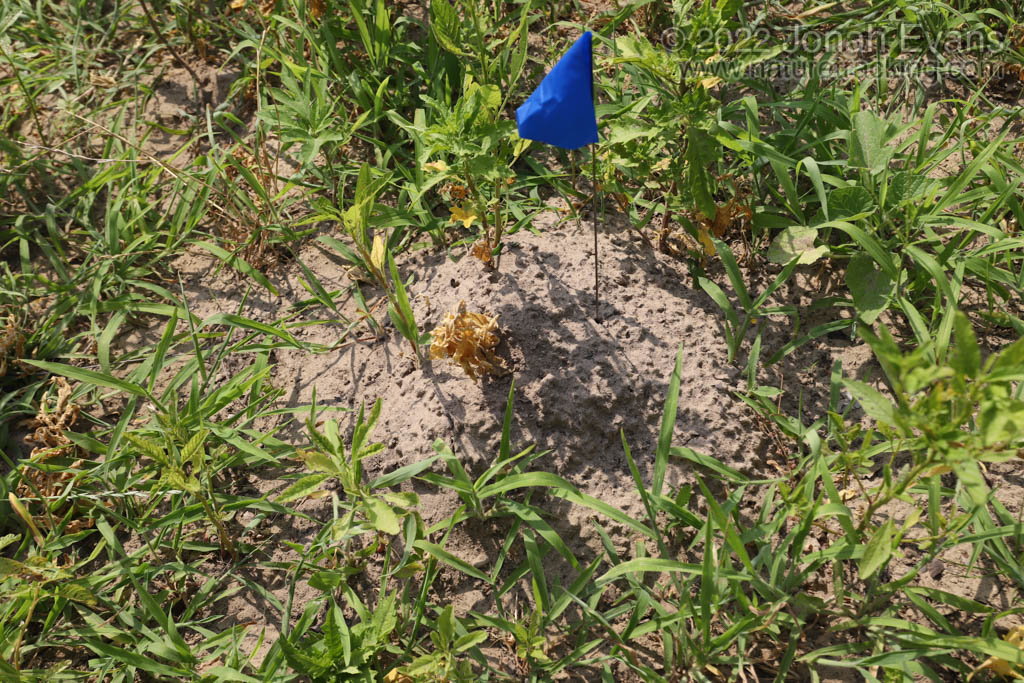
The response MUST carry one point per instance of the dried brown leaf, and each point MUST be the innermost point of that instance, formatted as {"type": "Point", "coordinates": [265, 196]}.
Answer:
{"type": "Point", "coordinates": [481, 250]}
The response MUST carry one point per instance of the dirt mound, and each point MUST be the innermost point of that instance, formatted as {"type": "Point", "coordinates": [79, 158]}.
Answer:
{"type": "Point", "coordinates": [578, 381]}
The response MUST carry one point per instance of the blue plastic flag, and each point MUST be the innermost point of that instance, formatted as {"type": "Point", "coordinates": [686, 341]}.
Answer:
{"type": "Point", "coordinates": [560, 111]}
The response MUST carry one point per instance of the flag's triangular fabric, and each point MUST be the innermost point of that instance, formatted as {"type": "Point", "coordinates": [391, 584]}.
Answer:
{"type": "Point", "coordinates": [560, 111]}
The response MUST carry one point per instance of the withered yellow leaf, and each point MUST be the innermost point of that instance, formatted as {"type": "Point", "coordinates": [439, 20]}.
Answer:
{"type": "Point", "coordinates": [705, 239]}
{"type": "Point", "coordinates": [378, 254]}
{"type": "Point", "coordinates": [1000, 666]}
{"type": "Point", "coordinates": [25, 516]}
{"type": "Point", "coordinates": [396, 676]}
{"type": "Point", "coordinates": [459, 213]}
{"type": "Point", "coordinates": [711, 81]}
{"type": "Point", "coordinates": [847, 495]}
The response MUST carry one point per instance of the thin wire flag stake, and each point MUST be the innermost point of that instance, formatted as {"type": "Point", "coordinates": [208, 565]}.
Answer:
{"type": "Point", "coordinates": [561, 112]}
{"type": "Point", "coordinates": [593, 220]}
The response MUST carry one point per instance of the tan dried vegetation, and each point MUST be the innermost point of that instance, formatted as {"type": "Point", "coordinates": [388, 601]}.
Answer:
{"type": "Point", "coordinates": [12, 345]}
{"type": "Point", "coordinates": [49, 433]}
{"type": "Point", "coordinates": [468, 339]}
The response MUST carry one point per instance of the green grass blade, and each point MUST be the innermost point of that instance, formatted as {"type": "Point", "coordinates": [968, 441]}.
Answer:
{"type": "Point", "coordinates": [91, 377]}
{"type": "Point", "coordinates": [461, 565]}
{"type": "Point", "coordinates": [668, 423]}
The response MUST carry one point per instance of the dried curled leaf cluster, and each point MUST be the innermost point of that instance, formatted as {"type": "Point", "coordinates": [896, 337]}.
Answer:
{"type": "Point", "coordinates": [469, 339]}
{"type": "Point", "coordinates": [731, 216]}
{"type": "Point", "coordinates": [12, 344]}
{"type": "Point", "coordinates": [316, 8]}
{"type": "Point", "coordinates": [49, 424]}
{"type": "Point", "coordinates": [481, 250]}
{"type": "Point", "coordinates": [454, 191]}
